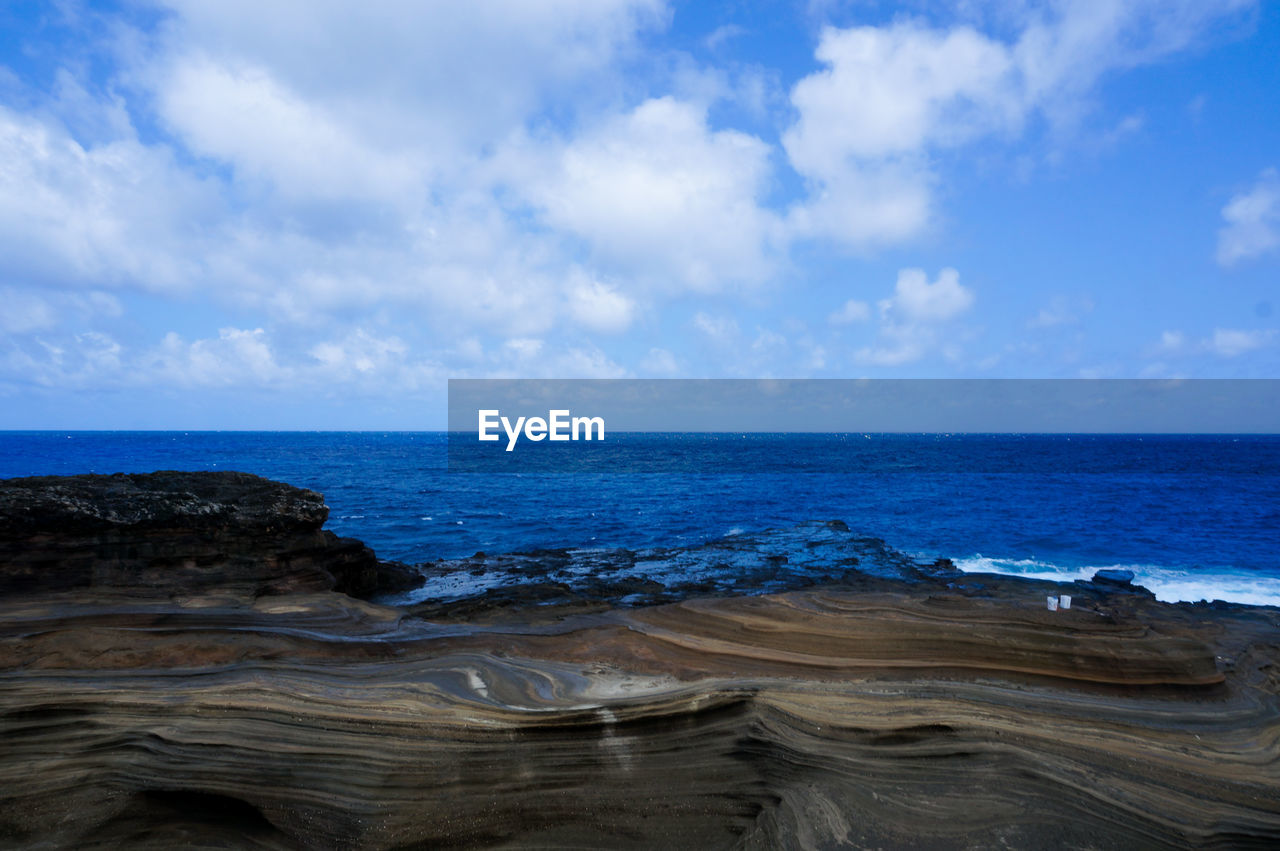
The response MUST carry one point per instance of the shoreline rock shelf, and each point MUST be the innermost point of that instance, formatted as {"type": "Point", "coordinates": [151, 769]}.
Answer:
{"type": "Point", "coordinates": [267, 709]}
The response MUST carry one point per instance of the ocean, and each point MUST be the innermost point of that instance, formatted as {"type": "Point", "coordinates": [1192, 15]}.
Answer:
{"type": "Point", "coordinates": [1194, 516]}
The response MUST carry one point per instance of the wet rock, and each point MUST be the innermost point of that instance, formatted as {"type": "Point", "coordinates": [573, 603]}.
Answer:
{"type": "Point", "coordinates": [757, 563]}
{"type": "Point", "coordinates": [1113, 576]}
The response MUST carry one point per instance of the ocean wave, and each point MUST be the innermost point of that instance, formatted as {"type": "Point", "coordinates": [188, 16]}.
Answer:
{"type": "Point", "coordinates": [1169, 584]}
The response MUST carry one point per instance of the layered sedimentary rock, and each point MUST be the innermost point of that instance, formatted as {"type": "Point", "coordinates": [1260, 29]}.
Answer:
{"type": "Point", "coordinates": [948, 712]}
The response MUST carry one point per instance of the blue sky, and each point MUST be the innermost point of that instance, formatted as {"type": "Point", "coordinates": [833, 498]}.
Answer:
{"type": "Point", "coordinates": [311, 214]}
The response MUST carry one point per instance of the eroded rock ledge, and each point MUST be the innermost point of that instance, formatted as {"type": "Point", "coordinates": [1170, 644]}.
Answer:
{"type": "Point", "coordinates": [944, 712]}
{"type": "Point", "coordinates": [178, 533]}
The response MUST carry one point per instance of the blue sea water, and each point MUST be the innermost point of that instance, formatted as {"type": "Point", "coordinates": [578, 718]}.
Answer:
{"type": "Point", "coordinates": [1195, 516]}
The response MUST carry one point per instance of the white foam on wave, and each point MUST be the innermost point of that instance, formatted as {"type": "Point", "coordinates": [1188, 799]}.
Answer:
{"type": "Point", "coordinates": [1171, 585]}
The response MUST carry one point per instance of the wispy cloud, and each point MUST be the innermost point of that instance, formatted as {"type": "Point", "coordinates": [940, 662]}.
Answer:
{"type": "Point", "coordinates": [1252, 221]}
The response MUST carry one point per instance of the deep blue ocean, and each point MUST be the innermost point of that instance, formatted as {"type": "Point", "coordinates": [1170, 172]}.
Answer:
{"type": "Point", "coordinates": [1196, 516]}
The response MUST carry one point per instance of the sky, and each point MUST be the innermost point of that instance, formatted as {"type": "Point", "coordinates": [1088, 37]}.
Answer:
{"type": "Point", "coordinates": [310, 215]}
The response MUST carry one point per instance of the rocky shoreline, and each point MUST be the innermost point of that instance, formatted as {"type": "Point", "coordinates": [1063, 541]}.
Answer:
{"type": "Point", "coordinates": [191, 660]}
{"type": "Point", "coordinates": [179, 533]}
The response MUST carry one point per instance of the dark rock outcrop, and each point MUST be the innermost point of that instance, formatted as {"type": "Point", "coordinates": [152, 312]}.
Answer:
{"type": "Point", "coordinates": [178, 533]}
{"type": "Point", "coordinates": [1113, 576]}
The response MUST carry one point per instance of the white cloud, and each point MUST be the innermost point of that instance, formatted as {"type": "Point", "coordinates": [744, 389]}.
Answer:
{"type": "Point", "coordinates": [117, 214]}
{"type": "Point", "coordinates": [1230, 343]}
{"type": "Point", "coordinates": [911, 318]}
{"type": "Point", "coordinates": [600, 307]}
{"type": "Point", "coordinates": [344, 198]}
{"type": "Point", "coordinates": [1130, 125]}
{"type": "Point", "coordinates": [244, 116]}
{"type": "Point", "coordinates": [359, 354]}
{"type": "Point", "coordinates": [235, 357]}
{"type": "Point", "coordinates": [721, 35]}
{"type": "Point", "coordinates": [533, 358]}
{"type": "Point", "coordinates": [898, 345]}
{"type": "Point", "coordinates": [583, 362]}
{"type": "Point", "coordinates": [886, 92]}
{"type": "Point", "coordinates": [866, 121]}
{"type": "Point", "coordinates": [889, 98]}
{"type": "Point", "coordinates": [1172, 341]}
{"type": "Point", "coordinates": [454, 76]}
{"type": "Point", "coordinates": [1252, 221]}
{"type": "Point", "coordinates": [657, 192]}
{"type": "Point", "coordinates": [1223, 342]}
{"type": "Point", "coordinates": [769, 345]}
{"type": "Point", "coordinates": [917, 300]}
{"type": "Point", "coordinates": [659, 362]}
{"type": "Point", "coordinates": [868, 205]}
{"type": "Point", "coordinates": [1061, 311]}
{"type": "Point", "coordinates": [817, 355]}
{"type": "Point", "coordinates": [25, 311]}
{"type": "Point", "coordinates": [360, 363]}
{"type": "Point", "coordinates": [719, 329]}
{"type": "Point", "coordinates": [850, 312]}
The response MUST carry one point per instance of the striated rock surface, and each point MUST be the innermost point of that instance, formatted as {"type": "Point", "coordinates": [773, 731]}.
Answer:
{"type": "Point", "coordinates": [177, 533]}
{"type": "Point", "coordinates": [946, 712]}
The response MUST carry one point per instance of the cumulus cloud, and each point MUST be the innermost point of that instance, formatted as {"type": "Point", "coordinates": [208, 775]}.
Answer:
{"type": "Point", "coordinates": [850, 312]}
{"type": "Point", "coordinates": [235, 357]}
{"type": "Point", "coordinates": [887, 92]}
{"type": "Point", "coordinates": [244, 116]}
{"type": "Point", "coordinates": [452, 76]}
{"type": "Point", "coordinates": [117, 214]}
{"type": "Point", "coordinates": [1252, 221]}
{"type": "Point", "coordinates": [359, 354]}
{"type": "Point", "coordinates": [917, 300]}
{"type": "Point", "coordinates": [366, 195]}
{"type": "Point", "coordinates": [657, 192]}
{"type": "Point", "coordinates": [890, 98]}
{"type": "Point", "coordinates": [379, 182]}
{"type": "Point", "coordinates": [911, 319]}
{"type": "Point", "coordinates": [316, 192]}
